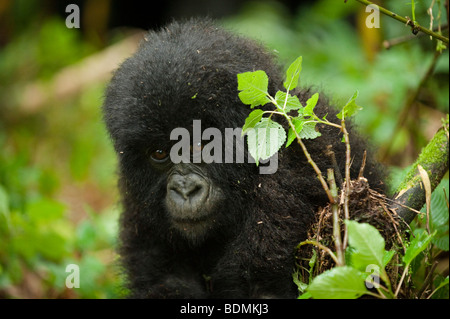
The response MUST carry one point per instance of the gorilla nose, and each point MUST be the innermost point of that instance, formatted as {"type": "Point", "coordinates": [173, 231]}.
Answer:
{"type": "Point", "coordinates": [189, 188]}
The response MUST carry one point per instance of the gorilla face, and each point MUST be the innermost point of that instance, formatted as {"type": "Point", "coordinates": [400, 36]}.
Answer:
{"type": "Point", "coordinates": [191, 199]}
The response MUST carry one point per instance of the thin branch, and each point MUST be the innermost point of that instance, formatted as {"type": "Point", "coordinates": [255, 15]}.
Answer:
{"type": "Point", "coordinates": [347, 178]}
{"type": "Point", "coordinates": [428, 280]}
{"type": "Point", "coordinates": [315, 243]}
{"type": "Point", "coordinates": [387, 44]}
{"type": "Point", "coordinates": [363, 165]}
{"type": "Point", "coordinates": [336, 228]}
{"type": "Point", "coordinates": [337, 174]}
{"type": "Point", "coordinates": [414, 25]}
{"type": "Point", "coordinates": [401, 281]}
{"type": "Point", "coordinates": [310, 160]}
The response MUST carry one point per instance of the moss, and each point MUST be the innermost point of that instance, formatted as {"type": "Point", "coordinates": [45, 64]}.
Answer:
{"type": "Point", "coordinates": [435, 154]}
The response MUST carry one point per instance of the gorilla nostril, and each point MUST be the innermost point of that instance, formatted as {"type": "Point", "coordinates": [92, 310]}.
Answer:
{"type": "Point", "coordinates": [186, 188]}
{"type": "Point", "coordinates": [187, 192]}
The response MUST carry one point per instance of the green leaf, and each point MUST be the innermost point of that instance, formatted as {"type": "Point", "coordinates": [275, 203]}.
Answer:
{"type": "Point", "coordinates": [417, 245]}
{"type": "Point", "coordinates": [439, 216]}
{"type": "Point", "coordinates": [338, 283]}
{"type": "Point", "coordinates": [310, 105]}
{"type": "Point", "coordinates": [265, 139]}
{"type": "Point", "coordinates": [441, 239]}
{"type": "Point", "coordinates": [253, 118]}
{"type": "Point", "coordinates": [253, 87]}
{"type": "Point", "coordinates": [309, 131]}
{"type": "Point", "coordinates": [350, 108]}
{"type": "Point", "coordinates": [387, 257]}
{"type": "Point", "coordinates": [300, 285]}
{"type": "Point", "coordinates": [293, 74]}
{"type": "Point", "coordinates": [292, 102]}
{"type": "Point", "coordinates": [442, 284]}
{"type": "Point", "coordinates": [367, 244]}
{"type": "Point", "coordinates": [306, 295]}
{"type": "Point", "coordinates": [4, 210]}
{"type": "Point", "coordinates": [298, 124]}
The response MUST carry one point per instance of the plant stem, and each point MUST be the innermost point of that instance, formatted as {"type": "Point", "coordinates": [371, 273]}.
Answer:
{"type": "Point", "coordinates": [415, 26]}
{"type": "Point", "coordinates": [347, 178]}
{"type": "Point", "coordinates": [315, 243]}
{"type": "Point", "coordinates": [335, 210]}
{"type": "Point", "coordinates": [310, 160]}
{"type": "Point", "coordinates": [401, 281]}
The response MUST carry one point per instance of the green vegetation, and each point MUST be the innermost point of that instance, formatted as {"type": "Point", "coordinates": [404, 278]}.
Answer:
{"type": "Point", "coordinates": [58, 198]}
{"type": "Point", "coordinates": [366, 259]}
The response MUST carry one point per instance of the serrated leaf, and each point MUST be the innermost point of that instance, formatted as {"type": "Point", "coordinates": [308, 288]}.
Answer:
{"type": "Point", "coordinates": [439, 211]}
{"type": "Point", "coordinates": [338, 283]}
{"type": "Point", "coordinates": [441, 239]}
{"type": "Point", "coordinates": [253, 118]}
{"type": "Point", "coordinates": [310, 105]}
{"type": "Point", "coordinates": [417, 245]}
{"type": "Point", "coordinates": [350, 108]}
{"type": "Point", "coordinates": [253, 87]}
{"type": "Point", "coordinates": [265, 139]}
{"type": "Point", "coordinates": [293, 74]}
{"type": "Point", "coordinates": [367, 244]}
{"type": "Point", "coordinates": [439, 216]}
{"type": "Point", "coordinates": [298, 124]}
{"type": "Point", "coordinates": [292, 102]}
{"type": "Point", "coordinates": [309, 131]}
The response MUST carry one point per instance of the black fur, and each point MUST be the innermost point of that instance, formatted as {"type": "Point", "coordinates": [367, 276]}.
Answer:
{"type": "Point", "coordinates": [189, 71]}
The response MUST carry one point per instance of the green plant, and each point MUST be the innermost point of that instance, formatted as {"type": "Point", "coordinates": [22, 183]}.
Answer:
{"type": "Point", "coordinates": [363, 263]}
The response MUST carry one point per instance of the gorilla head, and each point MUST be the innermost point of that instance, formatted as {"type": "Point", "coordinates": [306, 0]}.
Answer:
{"type": "Point", "coordinates": [185, 72]}
{"type": "Point", "coordinates": [190, 219]}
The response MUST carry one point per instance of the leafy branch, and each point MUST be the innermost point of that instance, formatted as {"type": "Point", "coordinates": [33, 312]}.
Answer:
{"type": "Point", "coordinates": [366, 246]}
{"type": "Point", "coordinates": [253, 87]}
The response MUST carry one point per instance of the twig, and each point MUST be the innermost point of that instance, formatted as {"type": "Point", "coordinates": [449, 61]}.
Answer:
{"type": "Point", "coordinates": [401, 281]}
{"type": "Point", "coordinates": [387, 44]}
{"type": "Point", "coordinates": [415, 27]}
{"type": "Point", "coordinates": [315, 243]}
{"type": "Point", "coordinates": [363, 165]}
{"type": "Point", "coordinates": [335, 211]}
{"type": "Point", "coordinates": [337, 173]}
{"type": "Point", "coordinates": [428, 280]}
{"type": "Point", "coordinates": [347, 178]}
{"type": "Point", "coordinates": [310, 161]}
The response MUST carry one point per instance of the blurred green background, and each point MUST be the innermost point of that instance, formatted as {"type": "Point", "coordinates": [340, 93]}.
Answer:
{"type": "Point", "coordinates": [58, 198]}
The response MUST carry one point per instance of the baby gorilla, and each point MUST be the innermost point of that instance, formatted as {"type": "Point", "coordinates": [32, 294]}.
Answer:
{"type": "Point", "coordinates": [192, 229]}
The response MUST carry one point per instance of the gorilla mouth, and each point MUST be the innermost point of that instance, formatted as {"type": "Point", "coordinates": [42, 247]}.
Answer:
{"type": "Point", "coordinates": [191, 222]}
{"type": "Point", "coordinates": [193, 229]}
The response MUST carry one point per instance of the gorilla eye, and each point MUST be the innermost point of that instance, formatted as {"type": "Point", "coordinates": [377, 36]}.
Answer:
{"type": "Point", "coordinates": [159, 156]}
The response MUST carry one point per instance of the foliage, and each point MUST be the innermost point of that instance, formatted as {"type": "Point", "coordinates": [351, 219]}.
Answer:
{"type": "Point", "coordinates": [56, 207]}
{"type": "Point", "coordinates": [57, 176]}
{"type": "Point", "coordinates": [339, 63]}
{"type": "Point", "coordinates": [366, 247]}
